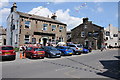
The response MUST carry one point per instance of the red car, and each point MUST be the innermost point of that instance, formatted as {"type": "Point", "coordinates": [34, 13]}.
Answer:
{"type": "Point", "coordinates": [7, 52]}
{"type": "Point", "coordinates": [34, 52]}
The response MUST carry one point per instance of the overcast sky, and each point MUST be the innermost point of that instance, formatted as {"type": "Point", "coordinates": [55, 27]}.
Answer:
{"type": "Point", "coordinates": [70, 13]}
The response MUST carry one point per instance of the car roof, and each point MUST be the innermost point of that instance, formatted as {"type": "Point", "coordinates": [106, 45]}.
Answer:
{"type": "Point", "coordinates": [6, 46]}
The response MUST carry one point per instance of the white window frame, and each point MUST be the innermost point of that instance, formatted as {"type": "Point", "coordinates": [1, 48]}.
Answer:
{"type": "Point", "coordinates": [53, 27]}
{"type": "Point", "coordinates": [45, 27]}
{"type": "Point", "coordinates": [82, 34]}
{"type": "Point", "coordinates": [60, 28]}
{"type": "Point", "coordinates": [27, 24]}
{"type": "Point", "coordinates": [26, 38]}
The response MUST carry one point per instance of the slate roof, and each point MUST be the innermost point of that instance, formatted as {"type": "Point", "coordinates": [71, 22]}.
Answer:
{"type": "Point", "coordinates": [32, 16]}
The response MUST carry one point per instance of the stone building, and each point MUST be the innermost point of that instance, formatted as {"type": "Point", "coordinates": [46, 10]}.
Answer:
{"type": "Point", "coordinates": [2, 36]}
{"type": "Point", "coordinates": [88, 34]}
{"type": "Point", "coordinates": [68, 36]}
{"type": "Point", "coordinates": [26, 28]}
{"type": "Point", "coordinates": [111, 36]}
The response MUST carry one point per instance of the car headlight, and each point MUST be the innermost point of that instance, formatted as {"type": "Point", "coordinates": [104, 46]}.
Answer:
{"type": "Point", "coordinates": [52, 52]}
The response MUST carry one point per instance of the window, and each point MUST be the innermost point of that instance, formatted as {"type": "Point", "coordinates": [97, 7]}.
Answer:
{"type": "Point", "coordinates": [115, 35]}
{"type": "Point", "coordinates": [85, 26]}
{"type": "Point", "coordinates": [61, 39]}
{"type": "Point", "coordinates": [34, 40]}
{"type": "Point", "coordinates": [45, 27]}
{"type": "Point", "coordinates": [53, 27]}
{"type": "Point", "coordinates": [61, 28]}
{"type": "Point", "coordinates": [29, 49]}
{"type": "Point", "coordinates": [27, 39]}
{"type": "Point", "coordinates": [115, 43]}
{"type": "Point", "coordinates": [106, 38]}
{"type": "Point", "coordinates": [53, 39]}
{"type": "Point", "coordinates": [82, 34]}
{"type": "Point", "coordinates": [107, 33]}
{"type": "Point", "coordinates": [27, 24]}
{"type": "Point", "coordinates": [90, 34]}
{"type": "Point", "coordinates": [7, 48]}
{"type": "Point", "coordinates": [95, 34]}
{"type": "Point", "coordinates": [71, 45]}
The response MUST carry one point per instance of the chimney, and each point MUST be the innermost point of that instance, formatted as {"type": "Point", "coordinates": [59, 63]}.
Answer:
{"type": "Point", "coordinates": [14, 7]}
{"type": "Point", "coordinates": [110, 24]}
{"type": "Point", "coordinates": [54, 16]}
{"type": "Point", "coordinates": [85, 20]}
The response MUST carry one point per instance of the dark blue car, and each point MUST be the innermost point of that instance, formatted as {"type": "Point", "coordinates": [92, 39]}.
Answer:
{"type": "Point", "coordinates": [65, 50]}
{"type": "Point", "coordinates": [85, 50]}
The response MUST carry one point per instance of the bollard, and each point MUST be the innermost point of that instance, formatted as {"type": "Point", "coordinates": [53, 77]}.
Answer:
{"type": "Point", "coordinates": [24, 55]}
{"type": "Point", "coordinates": [21, 56]}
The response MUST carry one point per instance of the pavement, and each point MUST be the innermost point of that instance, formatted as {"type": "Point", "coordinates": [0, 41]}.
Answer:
{"type": "Point", "coordinates": [96, 64]}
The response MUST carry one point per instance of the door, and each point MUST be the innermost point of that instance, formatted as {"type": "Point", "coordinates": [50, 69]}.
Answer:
{"type": "Point", "coordinates": [44, 41]}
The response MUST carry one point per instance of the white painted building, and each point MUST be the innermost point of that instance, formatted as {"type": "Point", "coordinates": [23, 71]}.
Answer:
{"type": "Point", "coordinates": [111, 36]}
{"type": "Point", "coordinates": [13, 22]}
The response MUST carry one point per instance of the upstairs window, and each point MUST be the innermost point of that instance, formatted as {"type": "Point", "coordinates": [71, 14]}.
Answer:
{"type": "Point", "coordinates": [27, 24]}
{"type": "Point", "coordinates": [107, 33]}
{"type": "Point", "coordinates": [90, 34]}
{"type": "Point", "coordinates": [82, 34]}
{"type": "Point", "coordinates": [45, 27]}
{"type": "Point", "coordinates": [95, 34]}
{"type": "Point", "coordinates": [53, 27]}
{"type": "Point", "coordinates": [115, 35]}
{"type": "Point", "coordinates": [61, 28]}
{"type": "Point", "coordinates": [53, 39]}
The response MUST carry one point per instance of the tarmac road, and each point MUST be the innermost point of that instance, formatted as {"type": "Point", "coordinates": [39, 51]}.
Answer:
{"type": "Point", "coordinates": [96, 64]}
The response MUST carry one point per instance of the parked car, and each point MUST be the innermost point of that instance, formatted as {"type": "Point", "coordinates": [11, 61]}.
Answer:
{"type": "Point", "coordinates": [34, 52]}
{"type": "Point", "coordinates": [85, 50]}
{"type": "Point", "coordinates": [77, 48]}
{"type": "Point", "coordinates": [7, 53]}
{"type": "Point", "coordinates": [89, 48]}
{"type": "Point", "coordinates": [65, 50]}
{"type": "Point", "coordinates": [51, 51]}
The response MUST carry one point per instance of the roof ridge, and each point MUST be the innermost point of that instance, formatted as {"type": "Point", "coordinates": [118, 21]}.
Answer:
{"type": "Point", "coordinates": [39, 17]}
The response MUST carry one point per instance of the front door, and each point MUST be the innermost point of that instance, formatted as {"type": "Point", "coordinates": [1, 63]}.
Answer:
{"type": "Point", "coordinates": [44, 41]}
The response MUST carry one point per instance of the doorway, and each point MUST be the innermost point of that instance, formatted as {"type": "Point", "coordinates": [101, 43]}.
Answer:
{"type": "Point", "coordinates": [44, 41]}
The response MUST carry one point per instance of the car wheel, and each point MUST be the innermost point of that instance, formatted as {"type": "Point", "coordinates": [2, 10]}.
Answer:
{"type": "Point", "coordinates": [14, 58]}
{"type": "Point", "coordinates": [48, 55]}
{"type": "Point", "coordinates": [31, 57]}
{"type": "Point", "coordinates": [41, 57]}
{"type": "Point", "coordinates": [60, 57]}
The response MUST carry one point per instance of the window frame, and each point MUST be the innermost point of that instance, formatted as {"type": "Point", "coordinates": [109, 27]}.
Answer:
{"type": "Point", "coordinates": [53, 27]}
{"type": "Point", "coordinates": [27, 25]}
{"type": "Point", "coordinates": [26, 39]}
{"type": "Point", "coordinates": [45, 27]}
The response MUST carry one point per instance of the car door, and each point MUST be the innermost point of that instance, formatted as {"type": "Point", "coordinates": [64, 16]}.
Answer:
{"type": "Point", "coordinates": [29, 51]}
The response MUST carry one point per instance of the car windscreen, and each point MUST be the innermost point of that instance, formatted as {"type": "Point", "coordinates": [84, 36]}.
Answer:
{"type": "Point", "coordinates": [65, 47]}
{"type": "Point", "coordinates": [7, 48]}
{"type": "Point", "coordinates": [52, 48]}
{"type": "Point", "coordinates": [80, 46]}
{"type": "Point", "coordinates": [38, 49]}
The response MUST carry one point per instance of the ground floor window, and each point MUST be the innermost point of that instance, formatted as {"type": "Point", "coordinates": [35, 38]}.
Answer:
{"type": "Point", "coordinates": [61, 39]}
{"type": "Point", "coordinates": [53, 39]}
{"type": "Point", "coordinates": [27, 39]}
